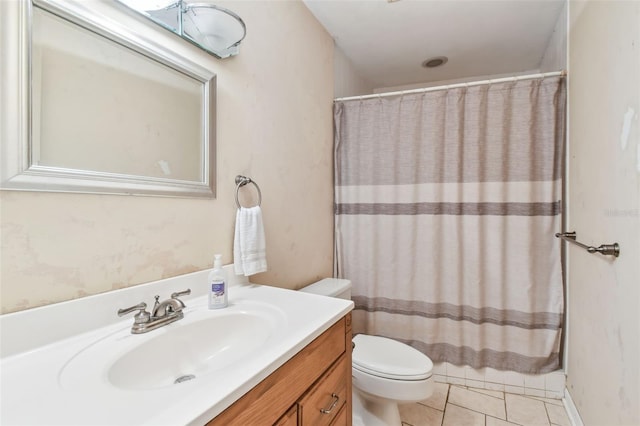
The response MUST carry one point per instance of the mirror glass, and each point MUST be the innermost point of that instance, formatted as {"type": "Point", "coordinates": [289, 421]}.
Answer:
{"type": "Point", "coordinates": [109, 115]}
{"type": "Point", "coordinates": [139, 108]}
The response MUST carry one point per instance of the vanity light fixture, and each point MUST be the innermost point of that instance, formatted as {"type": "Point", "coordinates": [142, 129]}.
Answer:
{"type": "Point", "coordinates": [217, 30]}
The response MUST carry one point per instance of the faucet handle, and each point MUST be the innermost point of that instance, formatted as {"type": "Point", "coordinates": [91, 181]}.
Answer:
{"type": "Point", "coordinates": [125, 311]}
{"type": "Point", "coordinates": [180, 293]}
{"type": "Point", "coordinates": [177, 294]}
{"type": "Point", "coordinates": [141, 317]}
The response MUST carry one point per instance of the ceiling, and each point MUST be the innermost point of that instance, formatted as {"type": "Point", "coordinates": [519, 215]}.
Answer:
{"type": "Point", "coordinates": [388, 41]}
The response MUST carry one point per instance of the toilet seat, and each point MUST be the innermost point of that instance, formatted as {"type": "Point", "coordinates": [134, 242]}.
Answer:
{"type": "Point", "coordinates": [389, 359]}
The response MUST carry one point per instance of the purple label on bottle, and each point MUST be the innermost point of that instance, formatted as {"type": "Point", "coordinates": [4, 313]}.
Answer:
{"type": "Point", "coordinates": [217, 288]}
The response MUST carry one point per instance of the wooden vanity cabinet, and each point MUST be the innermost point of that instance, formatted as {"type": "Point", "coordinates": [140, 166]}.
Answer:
{"type": "Point", "coordinates": [316, 378]}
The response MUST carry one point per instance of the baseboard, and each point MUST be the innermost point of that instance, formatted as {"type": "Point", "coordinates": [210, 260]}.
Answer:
{"type": "Point", "coordinates": [572, 410]}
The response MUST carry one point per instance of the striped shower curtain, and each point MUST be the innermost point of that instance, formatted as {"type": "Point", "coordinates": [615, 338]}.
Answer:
{"type": "Point", "coordinates": [446, 205]}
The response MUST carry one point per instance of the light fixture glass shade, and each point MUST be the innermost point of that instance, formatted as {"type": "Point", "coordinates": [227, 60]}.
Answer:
{"type": "Point", "coordinates": [214, 28]}
{"type": "Point", "coordinates": [168, 17]}
{"type": "Point", "coordinates": [217, 30]}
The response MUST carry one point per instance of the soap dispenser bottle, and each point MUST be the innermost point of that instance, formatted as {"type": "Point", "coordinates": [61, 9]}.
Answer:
{"type": "Point", "coordinates": [217, 283]}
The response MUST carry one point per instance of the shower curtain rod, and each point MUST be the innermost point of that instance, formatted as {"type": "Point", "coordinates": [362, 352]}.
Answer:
{"type": "Point", "coordinates": [456, 85]}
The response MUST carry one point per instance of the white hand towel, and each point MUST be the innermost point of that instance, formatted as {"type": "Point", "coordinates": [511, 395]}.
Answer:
{"type": "Point", "coordinates": [249, 248]}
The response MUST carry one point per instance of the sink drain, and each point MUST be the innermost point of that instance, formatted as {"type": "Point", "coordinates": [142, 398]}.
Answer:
{"type": "Point", "coordinates": [184, 378]}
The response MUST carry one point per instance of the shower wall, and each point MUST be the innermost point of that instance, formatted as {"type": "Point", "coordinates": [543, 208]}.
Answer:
{"type": "Point", "coordinates": [348, 82]}
{"type": "Point", "coordinates": [604, 207]}
{"type": "Point", "coordinates": [555, 56]}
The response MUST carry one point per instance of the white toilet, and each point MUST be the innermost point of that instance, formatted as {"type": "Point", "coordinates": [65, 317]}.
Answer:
{"type": "Point", "coordinates": [385, 372]}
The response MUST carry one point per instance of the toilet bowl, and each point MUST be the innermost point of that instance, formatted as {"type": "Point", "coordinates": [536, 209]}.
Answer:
{"type": "Point", "coordinates": [385, 372]}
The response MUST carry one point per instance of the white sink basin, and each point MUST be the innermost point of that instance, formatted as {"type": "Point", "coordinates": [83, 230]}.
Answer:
{"type": "Point", "coordinates": [187, 352]}
{"type": "Point", "coordinates": [200, 344]}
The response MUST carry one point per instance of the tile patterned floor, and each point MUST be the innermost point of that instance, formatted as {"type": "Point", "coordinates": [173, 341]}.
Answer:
{"type": "Point", "coordinates": [453, 405]}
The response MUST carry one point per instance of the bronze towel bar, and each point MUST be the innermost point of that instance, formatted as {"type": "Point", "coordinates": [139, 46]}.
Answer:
{"type": "Point", "coordinates": [604, 249]}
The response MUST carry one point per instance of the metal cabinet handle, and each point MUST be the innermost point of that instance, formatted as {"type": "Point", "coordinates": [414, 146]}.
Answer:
{"type": "Point", "coordinates": [336, 398]}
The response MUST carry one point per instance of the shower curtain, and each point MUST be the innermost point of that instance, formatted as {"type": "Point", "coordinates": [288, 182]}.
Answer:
{"type": "Point", "coordinates": [446, 205]}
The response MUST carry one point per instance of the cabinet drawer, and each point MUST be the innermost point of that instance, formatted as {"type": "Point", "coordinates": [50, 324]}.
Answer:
{"type": "Point", "coordinates": [321, 404]}
{"type": "Point", "coordinates": [341, 417]}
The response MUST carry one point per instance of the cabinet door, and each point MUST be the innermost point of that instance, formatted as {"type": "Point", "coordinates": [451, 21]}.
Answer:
{"type": "Point", "coordinates": [320, 405]}
{"type": "Point", "coordinates": [290, 418]}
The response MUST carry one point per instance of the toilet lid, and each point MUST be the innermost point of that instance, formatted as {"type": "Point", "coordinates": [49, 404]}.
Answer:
{"type": "Point", "coordinates": [390, 359]}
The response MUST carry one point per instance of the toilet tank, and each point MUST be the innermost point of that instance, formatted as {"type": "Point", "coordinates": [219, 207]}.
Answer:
{"type": "Point", "coordinates": [332, 287]}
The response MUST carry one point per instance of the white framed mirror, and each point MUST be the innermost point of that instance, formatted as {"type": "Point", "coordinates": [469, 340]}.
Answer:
{"type": "Point", "coordinates": [94, 107]}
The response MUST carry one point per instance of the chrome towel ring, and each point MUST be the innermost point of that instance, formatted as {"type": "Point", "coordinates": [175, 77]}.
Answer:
{"type": "Point", "coordinates": [242, 181]}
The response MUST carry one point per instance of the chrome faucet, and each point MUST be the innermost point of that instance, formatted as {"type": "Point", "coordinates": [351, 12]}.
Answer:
{"type": "Point", "coordinates": [163, 313]}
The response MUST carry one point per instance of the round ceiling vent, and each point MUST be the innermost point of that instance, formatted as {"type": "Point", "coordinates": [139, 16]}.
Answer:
{"type": "Point", "coordinates": [435, 62]}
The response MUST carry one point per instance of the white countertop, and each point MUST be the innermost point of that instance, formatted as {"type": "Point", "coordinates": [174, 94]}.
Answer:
{"type": "Point", "coordinates": [34, 369]}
